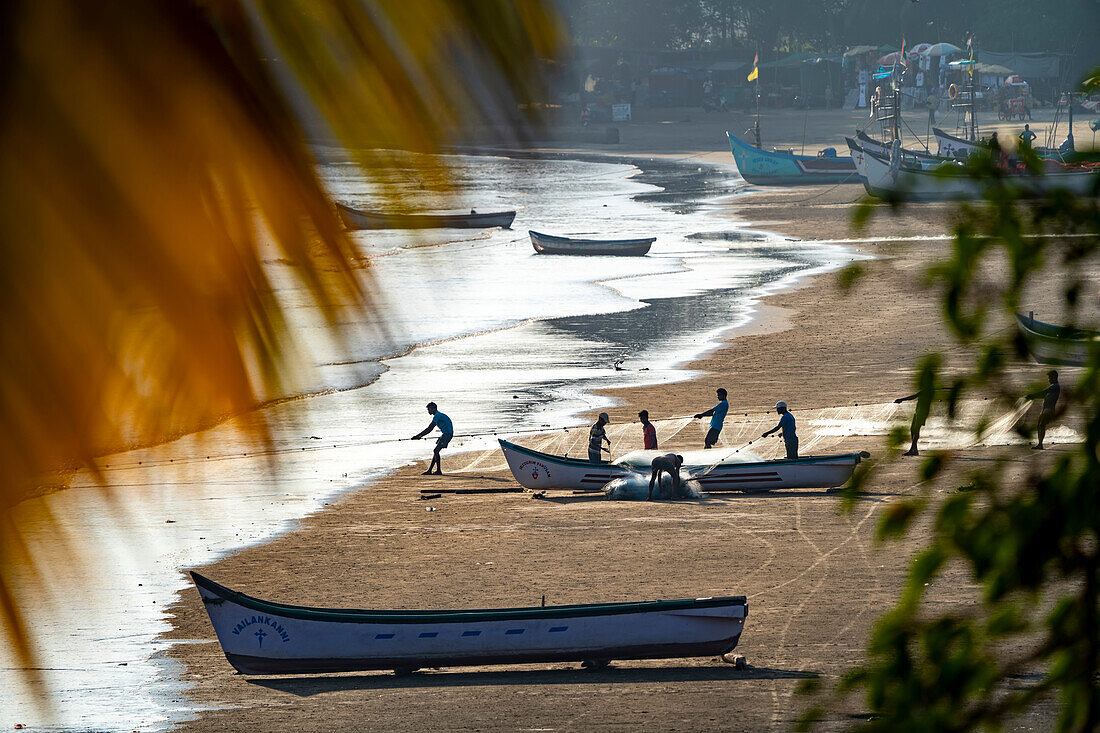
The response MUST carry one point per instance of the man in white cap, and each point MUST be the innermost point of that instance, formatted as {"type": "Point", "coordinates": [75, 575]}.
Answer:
{"type": "Point", "coordinates": [786, 424]}
{"type": "Point", "coordinates": [597, 436]}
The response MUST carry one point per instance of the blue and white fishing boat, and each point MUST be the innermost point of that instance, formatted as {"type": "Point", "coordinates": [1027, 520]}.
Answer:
{"type": "Point", "coordinates": [263, 637]}
{"type": "Point", "coordinates": [784, 168]}
{"type": "Point", "coordinates": [712, 469]}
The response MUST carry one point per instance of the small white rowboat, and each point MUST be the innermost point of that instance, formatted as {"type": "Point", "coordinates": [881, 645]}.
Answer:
{"type": "Point", "coordinates": [262, 637]}
{"type": "Point", "coordinates": [535, 470]}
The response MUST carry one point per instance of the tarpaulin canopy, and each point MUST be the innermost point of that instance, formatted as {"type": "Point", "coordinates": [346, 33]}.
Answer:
{"type": "Point", "coordinates": [797, 59]}
{"type": "Point", "coordinates": [727, 65]}
{"type": "Point", "coordinates": [858, 50]}
{"type": "Point", "coordinates": [1030, 65]}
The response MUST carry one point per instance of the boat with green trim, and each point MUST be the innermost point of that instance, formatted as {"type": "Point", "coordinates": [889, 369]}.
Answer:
{"type": "Point", "coordinates": [264, 637]}
{"type": "Point", "coordinates": [784, 168]}
{"type": "Point", "coordinates": [1051, 344]}
{"type": "Point", "coordinates": [714, 469]}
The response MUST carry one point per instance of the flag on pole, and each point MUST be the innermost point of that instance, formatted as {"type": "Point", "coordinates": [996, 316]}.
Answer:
{"type": "Point", "coordinates": [755, 68]}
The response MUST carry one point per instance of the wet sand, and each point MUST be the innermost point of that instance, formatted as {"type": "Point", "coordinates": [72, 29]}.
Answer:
{"type": "Point", "coordinates": [815, 577]}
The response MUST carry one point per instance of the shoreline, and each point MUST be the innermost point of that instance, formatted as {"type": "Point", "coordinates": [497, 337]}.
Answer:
{"type": "Point", "coordinates": [772, 314]}
{"type": "Point", "coordinates": [798, 560]}
{"type": "Point", "coordinates": [337, 537]}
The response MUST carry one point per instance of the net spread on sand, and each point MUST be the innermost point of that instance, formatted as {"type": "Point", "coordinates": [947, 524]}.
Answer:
{"type": "Point", "coordinates": [820, 431]}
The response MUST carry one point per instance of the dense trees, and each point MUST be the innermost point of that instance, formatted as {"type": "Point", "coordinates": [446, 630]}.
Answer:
{"type": "Point", "coordinates": [831, 25]}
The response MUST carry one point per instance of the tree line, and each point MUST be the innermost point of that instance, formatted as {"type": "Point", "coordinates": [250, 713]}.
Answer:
{"type": "Point", "coordinates": [829, 26]}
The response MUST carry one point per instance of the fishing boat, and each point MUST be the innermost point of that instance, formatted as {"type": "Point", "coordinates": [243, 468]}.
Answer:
{"type": "Point", "coordinates": [356, 219]}
{"type": "Point", "coordinates": [949, 146]}
{"type": "Point", "coordinates": [859, 157]}
{"type": "Point", "coordinates": [713, 471]}
{"type": "Point", "coordinates": [264, 637]}
{"type": "Point", "coordinates": [884, 180]}
{"type": "Point", "coordinates": [863, 141]}
{"type": "Point", "coordinates": [1051, 344]}
{"type": "Point", "coordinates": [784, 168]}
{"type": "Point", "coordinates": [548, 244]}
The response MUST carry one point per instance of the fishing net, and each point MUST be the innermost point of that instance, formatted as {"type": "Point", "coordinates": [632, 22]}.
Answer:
{"type": "Point", "coordinates": [820, 431]}
{"type": "Point", "coordinates": [635, 487]}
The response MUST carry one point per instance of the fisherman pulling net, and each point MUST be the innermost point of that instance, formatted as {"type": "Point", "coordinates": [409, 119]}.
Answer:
{"type": "Point", "coordinates": [821, 430]}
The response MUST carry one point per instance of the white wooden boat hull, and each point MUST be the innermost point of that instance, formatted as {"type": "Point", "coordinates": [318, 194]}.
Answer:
{"type": "Point", "coordinates": [535, 470]}
{"type": "Point", "coordinates": [1049, 344]}
{"type": "Point", "coordinates": [261, 637]}
{"type": "Point", "coordinates": [884, 181]}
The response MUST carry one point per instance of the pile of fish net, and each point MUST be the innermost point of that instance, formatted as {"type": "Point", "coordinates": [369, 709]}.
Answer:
{"type": "Point", "coordinates": [820, 430]}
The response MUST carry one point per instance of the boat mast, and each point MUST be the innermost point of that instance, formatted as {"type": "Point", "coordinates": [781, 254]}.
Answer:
{"type": "Point", "coordinates": [973, 107]}
{"type": "Point", "coordinates": [756, 125]}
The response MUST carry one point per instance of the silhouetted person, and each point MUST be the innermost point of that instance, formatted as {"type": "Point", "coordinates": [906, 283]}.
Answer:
{"type": "Point", "coordinates": [446, 428]}
{"type": "Point", "coordinates": [717, 416]}
{"type": "Point", "coordinates": [1027, 136]}
{"type": "Point", "coordinates": [649, 433]}
{"type": "Point", "coordinates": [786, 424]}
{"type": "Point", "coordinates": [924, 406]}
{"type": "Point", "coordinates": [597, 436]}
{"type": "Point", "coordinates": [1050, 397]}
{"type": "Point", "coordinates": [668, 463]}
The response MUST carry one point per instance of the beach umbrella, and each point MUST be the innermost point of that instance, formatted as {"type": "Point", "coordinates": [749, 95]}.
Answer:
{"type": "Point", "coordinates": [1015, 80]}
{"type": "Point", "coordinates": [941, 49]}
{"type": "Point", "coordinates": [919, 50]}
{"type": "Point", "coordinates": [890, 58]}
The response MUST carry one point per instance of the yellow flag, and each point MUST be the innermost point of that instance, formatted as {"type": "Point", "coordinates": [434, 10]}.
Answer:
{"type": "Point", "coordinates": [755, 73]}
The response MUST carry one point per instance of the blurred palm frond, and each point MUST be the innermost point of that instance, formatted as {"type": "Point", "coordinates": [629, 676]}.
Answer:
{"type": "Point", "coordinates": [151, 151]}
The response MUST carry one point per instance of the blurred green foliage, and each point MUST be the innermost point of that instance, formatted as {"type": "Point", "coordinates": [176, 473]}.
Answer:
{"type": "Point", "coordinates": [1028, 539]}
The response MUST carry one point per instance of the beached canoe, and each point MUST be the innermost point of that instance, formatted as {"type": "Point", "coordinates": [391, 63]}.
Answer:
{"type": "Point", "coordinates": [548, 244]}
{"type": "Point", "coordinates": [884, 180]}
{"type": "Point", "coordinates": [713, 471]}
{"type": "Point", "coordinates": [1051, 344]}
{"type": "Point", "coordinates": [263, 637]}
{"type": "Point", "coordinates": [784, 168]}
{"type": "Point", "coordinates": [356, 219]}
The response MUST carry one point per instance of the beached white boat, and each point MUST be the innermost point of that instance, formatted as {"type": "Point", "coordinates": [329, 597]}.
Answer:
{"type": "Point", "coordinates": [1051, 344]}
{"type": "Point", "coordinates": [713, 471]}
{"type": "Point", "coordinates": [549, 244]}
{"type": "Point", "coordinates": [262, 637]}
{"type": "Point", "coordinates": [884, 179]}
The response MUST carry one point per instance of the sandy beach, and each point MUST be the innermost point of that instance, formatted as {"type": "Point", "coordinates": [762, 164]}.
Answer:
{"type": "Point", "coordinates": [815, 577]}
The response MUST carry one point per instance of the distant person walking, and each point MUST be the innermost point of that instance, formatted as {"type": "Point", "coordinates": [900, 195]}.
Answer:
{"type": "Point", "coordinates": [1027, 136]}
{"type": "Point", "coordinates": [668, 463]}
{"type": "Point", "coordinates": [1050, 397]}
{"type": "Point", "coordinates": [786, 424]}
{"type": "Point", "coordinates": [933, 103]}
{"type": "Point", "coordinates": [597, 436]}
{"type": "Point", "coordinates": [446, 427]}
{"type": "Point", "coordinates": [649, 433]}
{"type": "Point", "coordinates": [717, 416]}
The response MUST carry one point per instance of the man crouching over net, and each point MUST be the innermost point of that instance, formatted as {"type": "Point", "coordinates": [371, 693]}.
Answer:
{"type": "Point", "coordinates": [668, 463]}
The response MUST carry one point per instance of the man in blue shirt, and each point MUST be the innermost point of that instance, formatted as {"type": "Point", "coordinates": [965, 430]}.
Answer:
{"type": "Point", "coordinates": [717, 417]}
{"type": "Point", "coordinates": [786, 424]}
{"type": "Point", "coordinates": [445, 427]}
